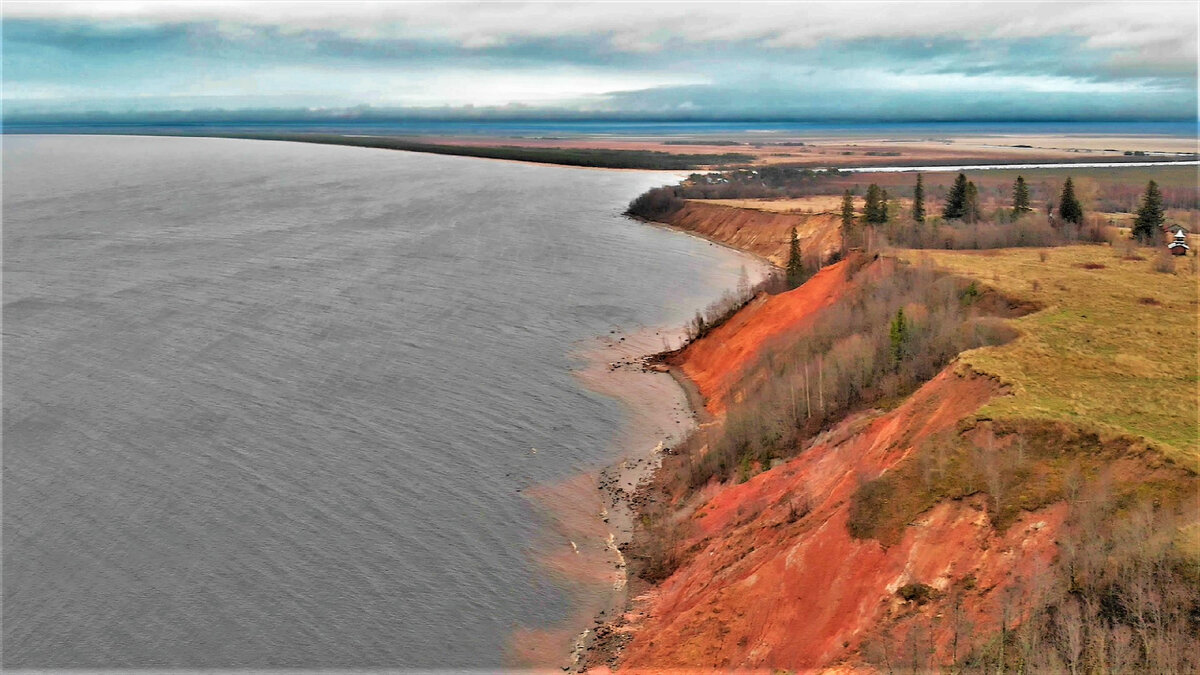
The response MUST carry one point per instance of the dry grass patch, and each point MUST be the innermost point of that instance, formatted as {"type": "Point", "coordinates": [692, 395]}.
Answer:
{"type": "Point", "coordinates": [811, 204]}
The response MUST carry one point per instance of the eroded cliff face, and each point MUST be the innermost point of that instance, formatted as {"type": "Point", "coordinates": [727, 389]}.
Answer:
{"type": "Point", "coordinates": [716, 363]}
{"type": "Point", "coordinates": [777, 581]}
{"type": "Point", "coordinates": [760, 232]}
{"type": "Point", "coordinates": [773, 578]}
{"type": "Point", "coordinates": [908, 538]}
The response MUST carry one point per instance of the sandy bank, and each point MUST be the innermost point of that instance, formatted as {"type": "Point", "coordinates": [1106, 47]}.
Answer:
{"type": "Point", "coordinates": [590, 518]}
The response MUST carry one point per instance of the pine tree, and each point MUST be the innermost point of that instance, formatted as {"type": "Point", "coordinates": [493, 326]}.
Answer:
{"type": "Point", "coordinates": [1020, 198]}
{"type": "Point", "coordinates": [882, 214]}
{"type": "Point", "coordinates": [1149, 216]}
{"type": "Point", "coordinates": [956, 201]}
{"type": "Point", "coordinates": [918, 211]}
{"type": "Point", "coordinates": [1068, 206]}
{"type": "Point", "coordinates": [847, 220]}
{"type": "Point", "coordinates": [971, 211]}
{"type": "Point", "coordinates": [795, 263]}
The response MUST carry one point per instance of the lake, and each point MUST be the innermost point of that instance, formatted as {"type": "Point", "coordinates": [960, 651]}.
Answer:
{"type": "Point", "coordinates": [270, 405]}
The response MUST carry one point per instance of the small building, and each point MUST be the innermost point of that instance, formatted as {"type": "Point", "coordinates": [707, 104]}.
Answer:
{"type": "Point", "coordinates": [1179, 245]}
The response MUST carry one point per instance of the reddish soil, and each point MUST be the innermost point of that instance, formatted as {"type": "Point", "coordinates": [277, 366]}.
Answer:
{"type": "Point", "coordinates": [762, 233]}
{"type": "Point", "coordinates": [716, 363]}
{"type": "Point", "coordinates": [766, 588]}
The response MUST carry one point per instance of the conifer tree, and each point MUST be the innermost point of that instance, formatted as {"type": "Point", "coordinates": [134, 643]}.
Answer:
{"type": "Point", "coordinates": [1149, 216]}
{"type": "Point", "coordinates": [918, 210]}
{"type": "Point", "coordinates": [795, 263]}
{"type": "Point", "coordinates": [876, 210]}
{"type": "Point", "coordinates": [847, 220]}
{"type": "Point", "coordinates": [956, 201]}
{"type": "Point", "coordinates": [971, 210]}
{"type": "Point", "coordinates": [871, 207]}
{"type": "Point", "coordinates": [1020, 198]}
{"type": "Point", "coordinates": [1068, 206]}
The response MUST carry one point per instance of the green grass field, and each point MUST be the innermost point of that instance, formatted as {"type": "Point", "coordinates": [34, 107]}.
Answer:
{"type": "Point", "coordinates": [1114, 347]}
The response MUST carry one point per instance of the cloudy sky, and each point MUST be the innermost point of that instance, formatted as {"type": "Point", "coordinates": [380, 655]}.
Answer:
{"type": "Point", "coordinates": [893, 60]}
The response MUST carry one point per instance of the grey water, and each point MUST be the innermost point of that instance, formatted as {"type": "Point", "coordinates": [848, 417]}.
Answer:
{"type": "Point", "coordinates": [270, 405]}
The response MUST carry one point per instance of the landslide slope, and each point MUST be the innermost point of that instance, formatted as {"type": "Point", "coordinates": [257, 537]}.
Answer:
{"type": "Point", "coordinates": [763, 233]}
{"type": "Point", "coordinates": [715, 363]}
{"type": "Point", "coordinates": [973, 521]}
{"type": "Point", "coordinates": [768, 589]}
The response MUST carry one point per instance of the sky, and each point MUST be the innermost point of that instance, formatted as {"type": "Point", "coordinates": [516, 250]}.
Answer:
{"type": "Point", "coordinates": [807, 60]}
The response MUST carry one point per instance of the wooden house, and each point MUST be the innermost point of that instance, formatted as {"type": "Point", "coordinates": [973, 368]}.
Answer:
{"type": "Point", "coordinates": [1178, 245]}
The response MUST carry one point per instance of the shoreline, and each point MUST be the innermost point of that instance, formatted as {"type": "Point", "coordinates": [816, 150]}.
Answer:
{"type": "Point", "coordinates": [647, 388]}
{"type": "Point", "coordinates": [589, 518]}
{"type": "Point", "coordinates": [763, 261]}
{"type": "Point", "coordinates": [661, 407]}
{"type": "Point", "coordinates": [675, 173]}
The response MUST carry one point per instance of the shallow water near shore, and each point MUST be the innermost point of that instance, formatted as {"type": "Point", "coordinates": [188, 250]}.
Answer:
{"type": "Point", "coordinates": [273, 405]}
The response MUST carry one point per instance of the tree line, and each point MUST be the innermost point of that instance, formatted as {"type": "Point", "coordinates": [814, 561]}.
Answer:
{"type": "Point", "coordinates": [967, 227]}
{"type": "Point", "coordinates": [962, 224]}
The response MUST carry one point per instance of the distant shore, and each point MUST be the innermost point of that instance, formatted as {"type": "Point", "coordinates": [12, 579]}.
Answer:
{"type": "Point", "coordinates": [814, 150]}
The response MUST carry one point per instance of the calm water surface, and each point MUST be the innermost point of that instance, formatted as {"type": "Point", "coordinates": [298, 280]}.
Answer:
{"type": "Point", "coordinates": [270, 404]}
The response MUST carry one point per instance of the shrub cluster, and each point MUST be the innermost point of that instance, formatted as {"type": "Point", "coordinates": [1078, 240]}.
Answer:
{"type": "Point", "coordinates": [1123, 597]}
{"type": "Point", "coordinates": [897, 328]}
{"type": "Point", "coordinates": [722, 309]}
{"type": "Point", "coordinates": [999, 232]}
{"type": "Point", "coordinates": [656, 204]}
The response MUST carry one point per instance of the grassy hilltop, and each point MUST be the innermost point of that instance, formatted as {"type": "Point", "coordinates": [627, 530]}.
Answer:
{"type": "Point", "coordinates": [1114, 345]}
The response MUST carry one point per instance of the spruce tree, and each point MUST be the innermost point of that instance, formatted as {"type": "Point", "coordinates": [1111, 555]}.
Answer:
{"type": "Point", "coordinates": [1020, 198]}
{"type": "Point", "coordinates": [872, 206]}
{"type": "Point", "coordinates": [847, 220]}
{"type": "Point", "coordinates": [1149, 216]}
{"type": "Point", "coordinates": [795, 263]}
{"type": "Point", "coordinates": [956, 201]}
{"type": "Point", "coordinates": [918, 211]}
{"type": "Point", "coordinates": [875, 211]}
{"type": "Point", "coordinates": [972, 213]}
{"type": "Point", "coordinates": [1068, 206]}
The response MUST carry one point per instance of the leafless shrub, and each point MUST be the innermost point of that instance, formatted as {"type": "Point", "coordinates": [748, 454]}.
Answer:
{"type": "Point", "coordinates": [854, 354]}
{"type": "Point", "coordinates": [1164, 262]}
{"type": "Point", "coordinates": [1122, 597]}
{"type": "Point", "coordinates": [720, 310]}
{"type": "Point", "coordinates": [1029, 230]}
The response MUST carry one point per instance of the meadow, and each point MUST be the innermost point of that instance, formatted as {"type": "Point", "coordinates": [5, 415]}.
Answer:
{"type": "Point", "coordinates": [1114, 345]}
